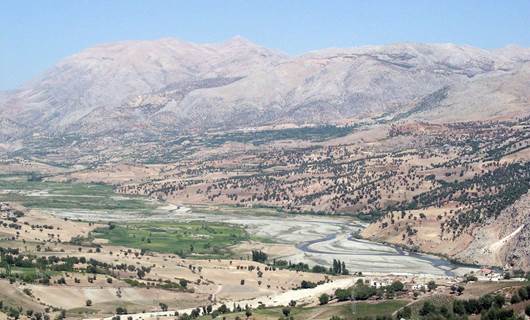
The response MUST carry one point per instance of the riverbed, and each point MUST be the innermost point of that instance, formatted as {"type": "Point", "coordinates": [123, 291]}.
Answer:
{"type": "Point", "coordinates": [314, 239]}
{"type": "Point", "coordinates": [320, 239]}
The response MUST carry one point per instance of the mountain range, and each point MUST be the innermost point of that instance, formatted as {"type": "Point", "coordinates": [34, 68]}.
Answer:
{"type": "Point", "coordinates": [170, 85]}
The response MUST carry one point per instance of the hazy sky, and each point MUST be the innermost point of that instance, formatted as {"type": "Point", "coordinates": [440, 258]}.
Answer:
{"type": "Point", "coordinates": [36, 34]}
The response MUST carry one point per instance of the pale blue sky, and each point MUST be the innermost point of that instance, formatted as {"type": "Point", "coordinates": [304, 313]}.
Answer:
{"type": "Point", "coordinates": [36, 34]}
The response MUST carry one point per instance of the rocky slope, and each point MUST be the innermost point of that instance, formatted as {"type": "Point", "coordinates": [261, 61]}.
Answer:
{"type": "Point", "coordinates": [169, 85]}
{"type": "Point", "coordinates": [504, 240]}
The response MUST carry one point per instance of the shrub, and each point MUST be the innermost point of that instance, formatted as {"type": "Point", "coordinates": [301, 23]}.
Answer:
{"type": "Point", "coordinates": [342, 294]}
{"type": "Point", "coordinates": [324, 298]}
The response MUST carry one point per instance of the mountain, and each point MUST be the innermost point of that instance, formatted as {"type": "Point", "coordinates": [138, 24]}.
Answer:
{"type": "Point", "coordinates": [106, 76]}
{"type": "Point", "coordinates": [170, 85]}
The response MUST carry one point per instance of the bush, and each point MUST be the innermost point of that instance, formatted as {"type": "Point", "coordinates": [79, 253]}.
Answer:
{"type": "Point", "coordinates": [404, 313]}
{"type": "Point", "coordinates": [324, 298]}
{"type": "Point", "coordinates": [223, 309]}
{"type": "Point", "coordinates": [523, 293]}
{"type": "Point", "coordinates": [121, 310]}
{"type": "Point", "coordinates": [427, 308]}
{"type": "Point", "coordinates": [515, 298]}
{"type": "Point", "coordinates": [363, 292]}
{"type": "Point", "coordinates": [396, 286]}
{"type": "Point", "coordinates": [459, 308]}
{"type": "Point", "coordinates": [307, 284]}
{"type": "Point", "coordinates": [431, 285]}
{"type": "Point", "coordinates": [259, 256]}
{"type": "Point", "coordinates": [183, 283]}
{"type": "Point", "coordinates": [499, 300]}
{"type": "Point", "coordinates": [342, 294]}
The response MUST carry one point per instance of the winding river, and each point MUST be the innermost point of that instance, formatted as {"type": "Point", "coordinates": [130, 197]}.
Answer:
{"type": "Point", "coordinates": [311, 239]}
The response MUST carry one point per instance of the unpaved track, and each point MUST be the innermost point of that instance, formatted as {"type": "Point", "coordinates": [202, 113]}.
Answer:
{"type": "Point", "coordinates": [300, 296]}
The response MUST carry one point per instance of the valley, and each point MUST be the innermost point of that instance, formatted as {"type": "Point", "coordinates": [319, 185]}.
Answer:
{"type": "Point", "coordinates": [210, 230]}
{"type": "Point", "coordinates": [173, 180]}
{"type": "Point", "coordinates": [84, 249]}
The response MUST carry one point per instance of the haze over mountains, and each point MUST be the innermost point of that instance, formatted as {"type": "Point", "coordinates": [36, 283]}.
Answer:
{"type": "Point", "coordinates": [169, 85]}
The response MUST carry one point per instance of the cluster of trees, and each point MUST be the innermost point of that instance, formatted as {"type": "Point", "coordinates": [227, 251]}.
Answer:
{"type": "Point", "coordinates": [522, 294]}
{"type": "Point", "coordinates": [489, 307]}
{"type": "Point", "coordinates": [485, 195]}
{"type": "Point", "coordinates": [12, 257]}
{"type": "Point", "coordinates": [259, 256]}
{"type": "Point", "coordinates": [337, 268]}
{"type": "Point", "coordinates": [362, 291]}
{"type": "Point", "coordinates": [17, 312]}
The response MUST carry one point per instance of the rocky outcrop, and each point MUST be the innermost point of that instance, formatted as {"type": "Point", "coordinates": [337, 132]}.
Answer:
{"type": "Point", "coordinates": [504, 241]}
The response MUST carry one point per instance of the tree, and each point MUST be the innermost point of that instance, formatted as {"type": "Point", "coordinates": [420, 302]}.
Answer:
{"type": "Point", "coordinates": [486, 301]}
{"type": "Point", "coordinates": [121, 310]}
{"type": "Point", "coordinates": [195, 313]}
{"type": "Point", "coordinates": [324, 298]}
{"type": "Point", "coordinates": [527, 310]}
{"type": "Point", "coordinates": [163, 306]}
{"type": "Point", "coordinates": [223, 309]}
{"type": "Point", "coordinates": [342, 294]}
{"type": "Point", "coordinates": [88, 303]}
{"type": "Point", "coordinates": [363, 292]}
{"type": "Point", "coordinates": [286, 311]}
{"type": "Point", "coordinates": [259, 256]}
{"type": "Point", "coordinates": [248, 313]}
{"type": "Point", "coordinates": [499, 300]}
{"type": "Point", "coordinates": [427, 308]}
{"type": "Point", "coordinates": [183, 283]}
{"type": "Point", "coordinates": [515, 298]}
{"type": "Point", "coordinates": [523, 293]}
{"type": "Point", "coordinates": [404, 313]}
{"type": "Point", "coordinates": [459, 308]}
{"type": "Point", "coordinates": [307, 284]}
{"type": "Point", "coordinates": [472, 306]}
{"type": "Point", "coordinates": [397, 286]}
{"type": "Point", "coordinates": [431, 285]}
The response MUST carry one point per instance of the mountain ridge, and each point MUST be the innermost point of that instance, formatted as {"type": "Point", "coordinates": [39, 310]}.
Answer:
{"type": "Point", "coordinates": [100, 84]}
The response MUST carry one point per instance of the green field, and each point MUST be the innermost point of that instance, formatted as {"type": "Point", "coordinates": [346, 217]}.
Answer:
{"type": "Point", "coordinates": [27, 274]}
{"type": "Point", "coordinates": [55, 195]}
{"type": "Point", "coordinates": [325, 312]}
{"type": "Point", "coordinates": [191, 239]}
